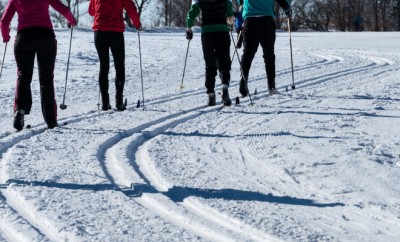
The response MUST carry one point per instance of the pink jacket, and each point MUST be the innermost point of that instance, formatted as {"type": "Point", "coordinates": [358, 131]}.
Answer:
{"type": "Point", "coordinates": [32, 14]}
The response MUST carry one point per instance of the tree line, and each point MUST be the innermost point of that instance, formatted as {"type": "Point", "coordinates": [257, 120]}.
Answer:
{"type": "Point", "coordinates": [315, 15]}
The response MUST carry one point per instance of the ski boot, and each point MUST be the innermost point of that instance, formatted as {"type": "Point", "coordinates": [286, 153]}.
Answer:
{"type": "Point", "coordinates": [211, 99]}
{"type": "Point", "coordinates": [243, 89]}
{"type": "Point", "coordinates": [273, 91]}
{"type": "Point", "coordinates": [225, 95]}
{"type": "Point", "coordinates": [19, 120]}
{"type": "Point", "coordinates": [105, 102]}
{"type": "Point", "coordinates": [119, 103]}
{"type": "Point", "coordinates": [52, 125]}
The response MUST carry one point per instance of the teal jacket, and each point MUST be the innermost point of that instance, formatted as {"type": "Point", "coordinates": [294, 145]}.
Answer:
{"type": "Point", "coordinates": [214, 14]}
{"type": "Point", "coordinates": [257, 8]}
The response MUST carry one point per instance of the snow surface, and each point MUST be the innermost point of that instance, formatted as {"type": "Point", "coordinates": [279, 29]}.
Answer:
{"type": "Point", "coordinates": [318, 163]}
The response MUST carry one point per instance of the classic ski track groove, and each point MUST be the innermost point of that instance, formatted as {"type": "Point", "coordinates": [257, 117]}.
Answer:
{"type": "Point", "coordinates": [148, 174]}
{"type": "Point", "coordinates": [38, 129]}
{"type": "Point", "coordinates": [326, 77]}
{"type": "Point", "coordinates": [13, 139]}
{"type": "Point", "coordinates": [152, 177]}
{"type": "Point", "coordinates": [12, 233]}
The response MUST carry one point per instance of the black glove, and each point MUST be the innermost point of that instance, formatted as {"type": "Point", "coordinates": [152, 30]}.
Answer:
{"type": "Point", "coordinates": [189, 34]}
{"type": "Point", "coordinates": [288, 12]}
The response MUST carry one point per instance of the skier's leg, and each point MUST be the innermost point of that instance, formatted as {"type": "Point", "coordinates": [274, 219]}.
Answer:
{"type": "Point", "coordinates": [46, 57]}
{"type": "Point", "coordinates": [25, 57]}
{"type": "Point", "coordinates": [118, 51]}
{"type": "Point", "coordinates": [208, 43]}
{"type": "Point", "coordinates": [102, 47]}
{"type": "Point", "coordinates": [239, 38]}
{"type": "Point", "coordinates": [223, 56]}
{"type": "Point", "coordinates": [224, 64]}
{"type": "Point", "coordinates": [250, 46]}
{"type": "Point", "coordinates": [267, 40]}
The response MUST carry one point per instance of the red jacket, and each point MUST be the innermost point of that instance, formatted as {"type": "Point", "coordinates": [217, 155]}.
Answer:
{"type": "Point", "coordinates": [108, 14]}
{"type": "Point", "coordinates": [32, 14]}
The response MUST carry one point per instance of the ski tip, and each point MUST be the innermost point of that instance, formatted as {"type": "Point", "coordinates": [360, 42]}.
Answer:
{"type": "Point", "coordinates": [138, 103]}
{"type": "Point", "coordinates": [255, 91]}
{"type": "Point", "coordinates": [287, 89]}
{"type": "Point", "coordinates": [126, 102]}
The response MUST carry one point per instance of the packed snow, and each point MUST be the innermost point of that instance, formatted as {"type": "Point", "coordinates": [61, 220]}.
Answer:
{"type": "Point", "coordinates": [317, 163]}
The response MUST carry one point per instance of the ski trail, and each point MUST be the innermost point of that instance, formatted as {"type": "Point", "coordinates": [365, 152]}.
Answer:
{"type": "Point", "coordinates": [122, 173]}
{"type": "Point", "coordinates": [376, 64]}
{"type": "Point", "coordinates": [158, 203]}
{"type": "Point", "coordinates": [143, 170]}
{"type": "Point", "coordinates": [22, 232]}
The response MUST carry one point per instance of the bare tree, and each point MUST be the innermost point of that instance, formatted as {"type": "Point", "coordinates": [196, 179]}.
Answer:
{"type": "Point", "coordinates": [395, 13]}
{"type": "Point", "coordinates": [73, 5]}
{"type": "Point", "coordinates": [315, 15]}
{"type": "Point", "coordinates": [318, 15]}
{"type": "Point", "coordinates": [179, 13]}
{"type": "Point", "coordinates": [173, 12]}
{"type": "Point", "coordinates": [1, 8]}
{"type": "Point", "coordinates": [141, 6]}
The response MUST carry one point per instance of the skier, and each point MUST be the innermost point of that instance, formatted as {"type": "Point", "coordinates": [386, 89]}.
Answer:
{"type": "Point", "coordinates": [35, 36]}
{"type": "Point", "coordinates": [239, 26]}
{"type": "Point", "coordinates": [357, 21]}
{"type": "Point", "coordinates": [108, 26]}
{"type": "Point", "coordinates": [259, 28]}
{"type": "Point", "coordinates": [216, 15]}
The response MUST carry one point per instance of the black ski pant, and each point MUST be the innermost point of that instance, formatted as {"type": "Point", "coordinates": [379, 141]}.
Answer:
{"type": "Point", "coordinates": [239, 40]}
{"type": "Point", "coordinates": [39, 42]}
{"type": "Point", "coordinates": [259, 31]}
{"type": "Point", "coordinates": [216, 47]}
{"type": "Point", "coordinates": [104, 41]}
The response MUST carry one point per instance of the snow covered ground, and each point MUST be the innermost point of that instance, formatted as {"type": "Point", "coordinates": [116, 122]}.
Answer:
{"type": "Point", "coordinates": [320, 163]}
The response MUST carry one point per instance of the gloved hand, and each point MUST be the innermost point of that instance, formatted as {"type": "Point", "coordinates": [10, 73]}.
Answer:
{"type": "Point", "coordinates": [73, 22]}
{"type": "Point", "coordinates": [139, 28]}
{"type": "Point", "coordinates": [6, 38]}
{"type": "Point", "coordinates": [230, 20]}
{"type": "Point", "coordinates": [189, 34]}
{"type": "Point", "coordinates": [288, 12]}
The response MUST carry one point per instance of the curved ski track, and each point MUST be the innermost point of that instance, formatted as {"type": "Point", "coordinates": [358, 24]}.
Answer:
{"type": "Point", "coordinates": [136, 167]}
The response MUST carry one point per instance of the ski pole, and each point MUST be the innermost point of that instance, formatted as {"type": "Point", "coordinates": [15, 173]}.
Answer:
{"type": "Point", "coordinates": [240, 64]}
{"type": "Point", "coordinates": [184, 67]}
{"type": "Point", "coordinates": [4, 56]}
{"type": "Point", "coordinates": [291, 53]}
{"type": "Point", "coordinates": [63, 105]}
{"type": "Point", "coordinates": [98, 101]}
{"type": "Point", "coordinates": [233, 56]}
{"type": "Point", "coordinates": [141, 72]}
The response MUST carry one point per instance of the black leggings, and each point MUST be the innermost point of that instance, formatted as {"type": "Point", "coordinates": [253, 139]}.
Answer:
{"type": "Point", "coordinates": [104, 41]}
{"type": "Point", "coordinates": [39, 42]}
{"type": "Point", "coordinates": [259, 31]}
{"type": "Point", "coordinates": [216, 46]}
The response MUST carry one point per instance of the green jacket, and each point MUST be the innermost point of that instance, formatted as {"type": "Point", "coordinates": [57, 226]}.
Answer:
{"type": "Point", "coordinates": [257, 8]}
{"type": "Point", "coordinates": [214, 14]}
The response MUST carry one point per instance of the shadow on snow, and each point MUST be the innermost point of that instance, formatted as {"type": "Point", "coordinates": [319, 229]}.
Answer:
{"type": "Point", "coordinates": [178, 194]}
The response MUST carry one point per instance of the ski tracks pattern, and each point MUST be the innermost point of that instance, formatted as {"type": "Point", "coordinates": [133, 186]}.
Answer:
{"type": "Point", "coordinates": [125, 160]}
